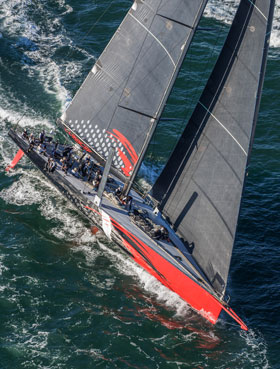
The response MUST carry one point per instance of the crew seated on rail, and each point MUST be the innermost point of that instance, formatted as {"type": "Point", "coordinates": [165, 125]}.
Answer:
{"type": "Point", "coordinates": [25, 134]}
{"type": "Point", "coordinates": [127, 201]}
{"type": "Point", "coordinates": [50, 165]}
{"type": "Point", "coordinates": [161, 233]}
{"type": "Point", "coordinates": [42, 149]}
{"type": "Point", "coordinates": [96, 183]}
{"type": "Point", "coordinates": [54, 152]}
{"type": "Point", "coordinates": [31, 142]}
{"type": "Point", "coordinates": [42, 137]}
{"type": "Point", "coordinates": [118, 192]}
{"type": "Point", "coordinates": [65, 166]}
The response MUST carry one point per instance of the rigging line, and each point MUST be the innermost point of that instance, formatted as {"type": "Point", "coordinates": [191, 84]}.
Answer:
{"type": "Point", "coordinates": [250, 1]}
{"type": "Point", "coordinates": [92, 27]}
{"type": "Point", "coordinates": [83, 38]}
{"type": "Point", "coordinates": [194, 272]}
{"type": "Point", "coordinates": [143, 77]}
{"type": "Point", "coordinates": [217, 120]}
{"type": "Point", "coordinates": [17, 123]}
{"type": "Point", "coordinates": [194, 95]}
{"type": "Point", "coordinates": [188, 151]}
{"type": "Point", "coordinates": [147, 30]}
{"type": "Point", "coordinates": [206, 69]}
{"type": "Point", "coordinates": [190, 70]}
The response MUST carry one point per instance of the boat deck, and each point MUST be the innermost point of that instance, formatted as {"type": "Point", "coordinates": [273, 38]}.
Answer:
{"type": "Point", "coordinates": [141, 226]}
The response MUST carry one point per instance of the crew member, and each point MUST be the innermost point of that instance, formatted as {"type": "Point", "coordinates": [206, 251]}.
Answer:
{"type": "Point", "coordinates": [127, 201]}
{"type": "Point", "coordinates": [96, 184]}
{"type": "Point", "coordinates": [42, 137]}
{"type": "Point", "coordinates": [25, 134]}
{"type": "Point", "coordinates": [118, 192]}
{"type": "Point", "coordinates": [31, 142]}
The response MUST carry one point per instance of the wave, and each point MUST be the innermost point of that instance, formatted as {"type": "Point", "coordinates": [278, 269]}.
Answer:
{"type": "Point", "coordinates": [150, 284]}
{"type": "Point", "coordinates": [36, 46]}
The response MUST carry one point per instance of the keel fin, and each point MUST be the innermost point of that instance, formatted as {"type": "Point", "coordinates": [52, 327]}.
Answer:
{"type": "Point", "coordinates": [15, 160]}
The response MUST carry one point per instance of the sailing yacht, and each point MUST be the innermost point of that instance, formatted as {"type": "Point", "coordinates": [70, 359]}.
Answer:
{"type": "Point", "coordinates": [183, 232]}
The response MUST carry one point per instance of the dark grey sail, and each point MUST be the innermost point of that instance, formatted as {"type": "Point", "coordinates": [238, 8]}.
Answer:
{"type": "Point", "coordinates": [201, 186]}
{"type": "Point", "coordinates": [122, 98]}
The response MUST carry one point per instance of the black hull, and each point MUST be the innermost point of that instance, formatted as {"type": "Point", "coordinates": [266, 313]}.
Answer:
{"type": "Point", "coordinates": [59, 181]}
{"type": "Point", "coordinates": [167, 263]}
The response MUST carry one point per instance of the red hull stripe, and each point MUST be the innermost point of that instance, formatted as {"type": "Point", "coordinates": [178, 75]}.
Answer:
{"type": "Point", "coordinates": [174, 279]}
{"type": "Point", "coordinates": [196, 296]}
{"type": "Point", "coordinates": [15, 160]}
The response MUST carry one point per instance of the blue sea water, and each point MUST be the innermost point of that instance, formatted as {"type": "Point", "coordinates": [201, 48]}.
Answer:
{"type": "Point", "coordinates": [71, 300]}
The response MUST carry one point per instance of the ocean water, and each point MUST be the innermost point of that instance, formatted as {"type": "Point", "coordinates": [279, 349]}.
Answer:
{"type": "Point", "coordinates": [69, 299]}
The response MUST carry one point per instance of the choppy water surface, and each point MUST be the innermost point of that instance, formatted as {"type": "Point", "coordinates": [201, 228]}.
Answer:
{"type": "Point", "coordinates": [69, 300]}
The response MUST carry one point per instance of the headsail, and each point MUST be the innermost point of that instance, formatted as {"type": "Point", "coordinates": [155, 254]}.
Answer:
{"type": "Point", "coordinates": [200, 187]}
{"type": "Point", "coordinates": [122, 98]}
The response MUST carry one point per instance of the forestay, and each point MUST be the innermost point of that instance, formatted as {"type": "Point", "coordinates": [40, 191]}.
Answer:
{"type": "Point", "coordinates": [122, 98]}
{"type": "Point", "coordinates": [201, 186]}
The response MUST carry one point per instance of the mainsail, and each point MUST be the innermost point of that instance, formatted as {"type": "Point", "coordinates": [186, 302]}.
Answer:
{"type": "Point", "coordinates": [119, 103]}
{"type": "Point", "coordinates": [201, 185]}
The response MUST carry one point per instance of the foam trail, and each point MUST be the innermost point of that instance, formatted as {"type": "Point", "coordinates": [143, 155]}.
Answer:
{"type": "Point", "coordinates": [40, 44]}
{"type": "Point", "coordinates": [24, 118]}
{"type": "Point", "coordinates": [128, 267]}
{"type": "Point", "coordinates": [256, 349]}
{"type": "Point", "coordinates": [52, 76]}
{"type": "Point", "coordinates": [31, 188]}
{"type": "Point", "coordinates": [275, 35]}
{"type": "Point", "coordinates": [21, 119]}
{"type": "Point", "coordinates": [224, 11]}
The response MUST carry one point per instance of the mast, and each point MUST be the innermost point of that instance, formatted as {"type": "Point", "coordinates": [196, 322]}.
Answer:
{"type": "Point", "coordinates": [120, 101]}
{"type": "Point", "coordinates": [166, 94]}
{"type": "Point", "coordinates": [200, 188]}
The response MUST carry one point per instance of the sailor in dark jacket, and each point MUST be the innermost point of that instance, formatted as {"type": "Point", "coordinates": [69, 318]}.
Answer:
{"type": "Point", "coordinates": [42, 137]}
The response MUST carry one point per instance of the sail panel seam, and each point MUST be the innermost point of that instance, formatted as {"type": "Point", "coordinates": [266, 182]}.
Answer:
{"type": "Point", "coordinates": [166, 93]}
{"type": "Point", "coordinates": [214, 207]}
{"type": "Point", "coordinates": [137, 112]}
{"type": "Point", "coordinates": [225, 160]}
{"type": "Point", "coordinates": [251, 2]}
{"type": "Point", "coordinates": [200, 126]}
{"type": "Point", "coordinates": [158, 41]}
{"type": "Point", "coordinates": [217, 120]}
{"type": "Point", "coordinates": [175, 21]}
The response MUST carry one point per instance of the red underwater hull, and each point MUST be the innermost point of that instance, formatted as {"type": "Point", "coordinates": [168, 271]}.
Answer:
{"type": "Point", "coordinates": [170, 276]}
